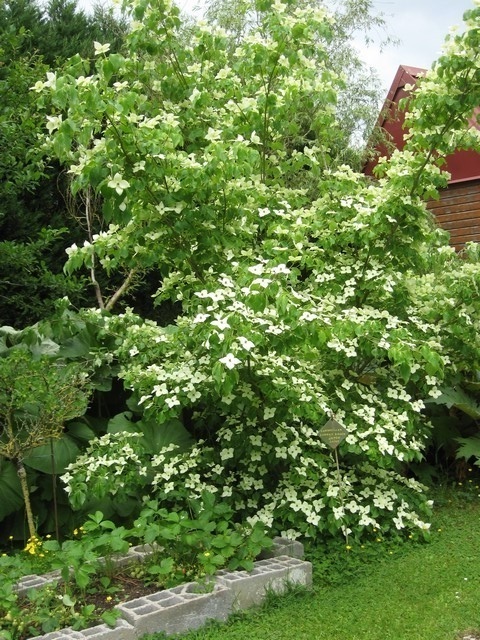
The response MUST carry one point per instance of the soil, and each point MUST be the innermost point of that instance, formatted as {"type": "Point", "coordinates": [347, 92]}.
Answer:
{"type": "Point", "coordinates": [123, 588]}
{"type": "Point", "coordinates": [126, 588]}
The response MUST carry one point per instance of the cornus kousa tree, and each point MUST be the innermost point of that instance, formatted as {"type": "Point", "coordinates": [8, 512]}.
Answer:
{"type": "Point", "coordinates": [305, 288]}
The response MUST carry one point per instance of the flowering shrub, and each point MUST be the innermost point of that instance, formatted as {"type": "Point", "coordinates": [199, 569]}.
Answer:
{"type": "Point", "coordinates": [306, 290]}
{"type": "Point", "coordinates": [115, 468]}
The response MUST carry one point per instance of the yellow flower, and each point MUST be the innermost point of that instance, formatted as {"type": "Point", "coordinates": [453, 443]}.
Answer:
{"type": "Point", "coordinates": [108, 599]}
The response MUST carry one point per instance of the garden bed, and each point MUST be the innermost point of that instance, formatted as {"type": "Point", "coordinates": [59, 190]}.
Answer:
{"type": "Point", "coordinates": [189, 606]}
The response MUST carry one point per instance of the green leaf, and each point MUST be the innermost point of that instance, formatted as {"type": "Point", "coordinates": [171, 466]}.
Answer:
{"type": "Point", "coordinates": [164, 568]}
{"type": "Point", "coordinates": [45, 348]}
{"type": "Point", "coordinates": [110, 617]}
{"type": "Point", "coordinates": [10, 489]}
{"type": "Point", "coordinates": [80, 431]}
{"type": "Point", "coordinates": [64, 450]}
{"type": "Point", "coordinates": [460, 400]}
{"type": "Point", "coordinates": [75, 347]}
{"type": "Point", "coordinates": [122, 422]}
{"type": "Point", "coordinates": [67, 600]}
{"type": "Point", "coordinates": [157, 436]}
{"type": "Point", "coordinates": [469, 447]}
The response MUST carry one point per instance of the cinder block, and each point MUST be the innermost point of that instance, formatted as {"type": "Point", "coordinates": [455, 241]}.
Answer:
{"type": "Point", "coordinates": [178, 610]}
{"type": "Point", "coordinates": [36, 582]}
{"type": "Point", "coordinates": [250, 588]}
{"type": "Point", "coordinates": [64, 634]}
{"type": "Point", "coordinates": [285, 547]}
{"type": "Point", "coordinates": [121, 631]}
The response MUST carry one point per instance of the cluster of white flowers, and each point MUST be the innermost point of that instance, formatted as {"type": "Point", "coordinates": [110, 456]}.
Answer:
{"type": "Point", "coordinates": [294, 310]}
{"type": "Point", "coordinates": [110, 464]}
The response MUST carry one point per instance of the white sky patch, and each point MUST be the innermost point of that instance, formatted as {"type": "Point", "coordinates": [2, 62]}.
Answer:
{"type": "Point", "coordinates": [421, 27]}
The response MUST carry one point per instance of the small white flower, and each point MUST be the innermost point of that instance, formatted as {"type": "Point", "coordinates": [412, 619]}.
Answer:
{"type": "Point", "coordinates": [71, 249]}
{"type": "Point", "coordinates": [53, 123]}
{"type": "Point", "coordinates": [139, 166]}
{"type": "Point", "coordinates": [257, 270]}
{"type": "Point", "coordinates": [246, 344]}
{"type": "Point", "coordinates": [172, 402]}
{"type": "Point", "coordinates": [51, 80]}
{"type": "Point", "coordinates": [221, 323]}
{"type": "Point", "coordinates": [262, 282]}
{"type": "Point", "coordinates": [38, 86]}
{"type": "Point", "coordinates": [100, 48]}
{"type": "Point", "coordinates": [281, 268]}
{"type": "Point", "coordinates": [268, 413]}
{"type": "Point", "coordinates": [200, 317]}
{"type": "Point", "coordinates": [230, 361]}
{"type": "Point", "coordinates": [213, 135]}
{"type": "Point", "coordinates": [118, 183]}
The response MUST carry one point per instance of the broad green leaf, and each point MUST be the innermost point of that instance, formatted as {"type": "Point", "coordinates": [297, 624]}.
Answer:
{"type": "Point", "coordinates": [64, 449]}
{"type": "Point", "coordinates": [122, 422]}
{"type": "Point", "coordinates": [80, 431]}
{"type": "Point", "coordinates": [75, 347]}
{"type": "Point", "coordinates": [469, 447]}
{"type": "Point", "coordinates": [10, 489]}
{"type": "Point", "coordinates": [110, 617]}
{"type": "Point", "coordinates": [157, 436]}
{"type": "Point", "coordinates": [45, 348]}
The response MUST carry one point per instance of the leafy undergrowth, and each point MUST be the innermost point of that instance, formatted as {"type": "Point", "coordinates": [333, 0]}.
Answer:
{"type": "Point", "coordinates": [194, 545]}
{"type": "Point", "coordinates": [51, 608]}
{"type": "Point", "coordinates": [380, 591]}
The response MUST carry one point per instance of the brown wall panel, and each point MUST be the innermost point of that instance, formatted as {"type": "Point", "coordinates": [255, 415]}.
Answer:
{"type": "Point", "coordinates": [458, 211]}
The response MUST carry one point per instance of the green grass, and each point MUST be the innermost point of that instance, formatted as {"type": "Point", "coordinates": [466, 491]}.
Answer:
{"type": "Point", "coordinates": [381, 592]}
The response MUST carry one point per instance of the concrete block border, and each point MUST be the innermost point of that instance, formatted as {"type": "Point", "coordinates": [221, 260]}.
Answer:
{"type": "Point", "coordinates": [190, 606]}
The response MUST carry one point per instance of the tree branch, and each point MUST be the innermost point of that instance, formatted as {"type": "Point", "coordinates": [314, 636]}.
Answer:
{"type": "Point", "coordinates": [121, 290]}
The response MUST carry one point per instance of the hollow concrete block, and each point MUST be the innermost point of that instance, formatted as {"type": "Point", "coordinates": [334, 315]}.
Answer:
{"type": "Point", "coordinates": [178, 610]}
{"type": "Point", "coordinates": [121, 631]}
{"type": "Point", "coordinates": [250, 588]}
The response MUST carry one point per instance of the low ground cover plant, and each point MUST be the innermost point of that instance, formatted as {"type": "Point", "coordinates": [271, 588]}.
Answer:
{"type": "Point", "coordinates": [182, 547]}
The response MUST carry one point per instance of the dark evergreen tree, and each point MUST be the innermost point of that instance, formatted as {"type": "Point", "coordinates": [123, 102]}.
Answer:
{"type": "Point", "coordinates": [35, 222]}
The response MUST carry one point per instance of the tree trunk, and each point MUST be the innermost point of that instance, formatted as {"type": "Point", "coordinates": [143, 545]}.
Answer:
{"type": "Point", "coordinates": [22, 474]}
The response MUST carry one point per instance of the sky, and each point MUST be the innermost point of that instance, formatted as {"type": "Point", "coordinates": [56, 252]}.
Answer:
{"type": "Point", "coordinates": [421, 27]}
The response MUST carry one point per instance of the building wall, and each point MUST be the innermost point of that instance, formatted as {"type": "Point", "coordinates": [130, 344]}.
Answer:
{"type": "Point", "coordinates": [458, 211]}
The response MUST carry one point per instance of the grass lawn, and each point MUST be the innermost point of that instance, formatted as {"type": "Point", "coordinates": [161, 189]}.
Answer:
{"type": "Point", "coordinates": [380, 592]}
